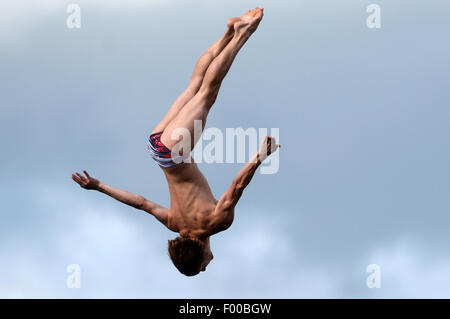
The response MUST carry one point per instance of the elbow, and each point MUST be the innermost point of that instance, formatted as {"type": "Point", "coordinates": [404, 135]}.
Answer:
{"type": "Point", "coordinates": [140, 203]}
{"type": "Point", "coordinates": [239, 187]}
{"type": "Point", "coordinates": [237, 184]}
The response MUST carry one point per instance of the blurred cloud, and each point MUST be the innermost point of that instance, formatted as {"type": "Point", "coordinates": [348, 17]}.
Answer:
{"type": "Point", "coordinates": [122, 254]}
{"type": "Point", "coordinates": [407, 272]}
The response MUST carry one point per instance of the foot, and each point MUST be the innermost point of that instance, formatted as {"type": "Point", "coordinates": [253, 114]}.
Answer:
{"type": "Point", "coordinates": [231, 22]}
{"type": "Point", "coordinates": [247, 23]}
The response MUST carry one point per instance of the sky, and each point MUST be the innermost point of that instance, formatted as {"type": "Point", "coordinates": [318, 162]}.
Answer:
{"type": "Point", "coordinates": [364, 123]}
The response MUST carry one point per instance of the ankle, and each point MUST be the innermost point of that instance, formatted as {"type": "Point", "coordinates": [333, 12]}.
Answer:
{"type": "Point", "coordinates": [241, 37]}
{"type": "Point", "coordinates": [229, 34]}
{"type": "Point", "coordinates": [229, 31]}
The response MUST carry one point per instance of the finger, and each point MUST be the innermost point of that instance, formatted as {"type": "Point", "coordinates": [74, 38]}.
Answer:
{"type": "Point", "coordinates": [78, 180]}
{"type": "Point", "coordinates": [88, 176]}
{"type": "Point", "coordinates": [75, 178]}
{"type": "Point", "coordinates": [279, 145]}
{"type": "Point", "coordinates": [81, 177]}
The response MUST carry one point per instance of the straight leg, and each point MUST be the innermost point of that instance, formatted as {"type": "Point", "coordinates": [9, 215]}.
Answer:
{"type": "Point", "coordinates": [198, 107]}
{"type": "Point", "coordinates": [197, 76]}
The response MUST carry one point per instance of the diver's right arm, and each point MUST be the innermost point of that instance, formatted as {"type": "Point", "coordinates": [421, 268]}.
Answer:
{"type": "Point", "coordinates": [133, 200]}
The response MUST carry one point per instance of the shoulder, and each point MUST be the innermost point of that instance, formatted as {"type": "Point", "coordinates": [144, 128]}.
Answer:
{"type": "Point", "coordinates": [172, 222]}
{"type": "Point", "coordinates": [221, 219]}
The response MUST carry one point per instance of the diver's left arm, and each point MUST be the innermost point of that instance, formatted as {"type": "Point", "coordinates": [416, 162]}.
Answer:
{"type": "Point", "coordinates": [230, 198]}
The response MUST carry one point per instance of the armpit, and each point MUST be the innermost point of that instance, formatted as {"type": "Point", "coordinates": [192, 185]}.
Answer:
{"type": "Point", "coordinates": [171, 225]}
{"type": "Point", "coordinates": [222, 220]}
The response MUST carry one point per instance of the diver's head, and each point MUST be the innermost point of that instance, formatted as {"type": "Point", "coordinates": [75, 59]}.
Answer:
{"type": "Point", "coordinates": [190, 255]}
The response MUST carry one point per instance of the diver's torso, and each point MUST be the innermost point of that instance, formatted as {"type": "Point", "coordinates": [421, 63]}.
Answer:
{"type": "Point", "coordinates": [192, 203]}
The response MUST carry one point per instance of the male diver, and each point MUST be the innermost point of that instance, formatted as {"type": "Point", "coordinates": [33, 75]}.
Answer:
{"type": "Point", "coordinates": [194, 212]}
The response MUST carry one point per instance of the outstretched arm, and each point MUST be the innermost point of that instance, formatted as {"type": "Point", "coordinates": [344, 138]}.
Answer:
{"type": "Point", "coordinates": [230, 198]}
{"type": "Point", "coordinates": [133, 200]}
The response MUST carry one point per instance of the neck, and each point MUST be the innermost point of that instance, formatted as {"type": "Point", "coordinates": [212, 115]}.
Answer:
{"type": "Point", "coordinates": [205, 241]}
{"type": "Point", "coordinates": [196, 235]}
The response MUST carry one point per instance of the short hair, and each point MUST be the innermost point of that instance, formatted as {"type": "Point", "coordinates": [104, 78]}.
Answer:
{"type": "Point", "coordinates": [187, 255]}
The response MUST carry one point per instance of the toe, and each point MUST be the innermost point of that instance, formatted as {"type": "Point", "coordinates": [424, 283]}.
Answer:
{"type": "Point", "coordinates": [260, 12]}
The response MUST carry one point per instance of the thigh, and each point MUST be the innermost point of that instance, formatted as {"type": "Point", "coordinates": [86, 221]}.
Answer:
{"type": "Point", "coordinates": [196, 109]}
{"type": "Point", "coordinates": [178, 105]}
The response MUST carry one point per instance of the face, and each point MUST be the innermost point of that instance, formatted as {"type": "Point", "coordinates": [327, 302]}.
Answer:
{"type": "Point", "coordinates": [207, 259]}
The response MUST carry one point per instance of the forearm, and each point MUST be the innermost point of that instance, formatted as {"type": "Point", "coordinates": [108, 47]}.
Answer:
{"type": "Point", "coordinates": [246, 174]}
{"type": "Point", "coordinates": [230, 198]}
{"type": "Point", "coordinates": [136, 201]}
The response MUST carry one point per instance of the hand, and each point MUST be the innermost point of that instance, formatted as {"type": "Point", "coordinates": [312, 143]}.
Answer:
{"type": "Point", "coordinates": [268, 146]}
{"type": "Point", "coordinates": [87, 182]}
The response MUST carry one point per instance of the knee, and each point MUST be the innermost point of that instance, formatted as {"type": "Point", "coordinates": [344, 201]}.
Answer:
{"type": "Point", "coordinates": [210, 88]}
{"type": "Point", "coordinates": [195, 84]}
{"type": "Point", "coordinates": [209, 93]}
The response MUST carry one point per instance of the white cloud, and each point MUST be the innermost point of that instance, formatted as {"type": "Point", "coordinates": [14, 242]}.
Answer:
{"type": "Point", "coordinates": [122, 253]}
{"type": "Point", "coordinates": [18, 18]}
{"type": "Point", "coordinates": [407, 272]}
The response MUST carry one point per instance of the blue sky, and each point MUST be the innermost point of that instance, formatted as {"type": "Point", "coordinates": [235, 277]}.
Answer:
{"type": "Point", "coordinates": [364, 121]}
